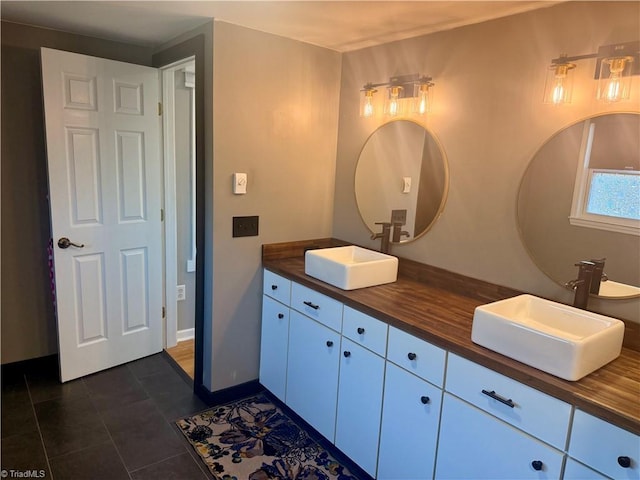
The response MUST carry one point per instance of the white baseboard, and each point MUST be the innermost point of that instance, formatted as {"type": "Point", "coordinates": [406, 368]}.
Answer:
{"type": "Point", "coordinates": [186, 334]}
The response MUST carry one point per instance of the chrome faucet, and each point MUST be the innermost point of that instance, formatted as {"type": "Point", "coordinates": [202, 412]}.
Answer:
{"type": "Point", "coordinates": [582, 285]}
{"type": "Point", "coordinates": [398, 233]}
{"type": "Point", "coordinates": [384, 235]}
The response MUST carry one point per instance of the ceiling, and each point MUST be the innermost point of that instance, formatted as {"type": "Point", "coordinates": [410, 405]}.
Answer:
{"type": "Point", "coordinates": [338, 25]}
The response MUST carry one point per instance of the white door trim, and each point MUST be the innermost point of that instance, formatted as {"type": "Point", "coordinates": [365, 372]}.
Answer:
{"type": "Point", "coordinates": [170, 213]}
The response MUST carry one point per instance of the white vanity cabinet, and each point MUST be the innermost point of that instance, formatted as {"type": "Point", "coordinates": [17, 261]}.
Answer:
{"type": "Point", "coordinates": [411, 412]}
{"type": "Point", "coordinates": [404, 409]}
{"type": "Point", "coordinates": [314, 358]}
{"type": "Point", "coordinates": [409, 432]}
{"type": "Point", "coordinates": [474, 444]}
{"type": "Point", "coordinates": [359, 404]}
{"type": "Point", "coordinates": [495, 427]}
{"type": "Point", "coordinates": [275, 333]}
{"type": "Point", "coordinates": [360, 388]}
{"type": "Point", "coordinates": [274, 347]}
{"type": "Point", "coordinates": [611, 450]}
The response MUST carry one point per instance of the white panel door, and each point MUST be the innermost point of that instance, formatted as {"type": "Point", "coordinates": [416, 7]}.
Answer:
{"type": "Point", "coordinates": [104, 165]}
{"type": "Point", "coordinates": [359, 404]}
{"type": "Point", "coordinates": [312, 372]}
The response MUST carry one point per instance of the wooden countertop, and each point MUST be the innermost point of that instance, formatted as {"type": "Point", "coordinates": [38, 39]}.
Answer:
{"type": "Point", "coordinates": [443, 317]}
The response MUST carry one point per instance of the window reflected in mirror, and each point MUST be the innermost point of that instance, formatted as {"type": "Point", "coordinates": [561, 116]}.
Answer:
{"type": "Point", "coordinates": [579, 199]}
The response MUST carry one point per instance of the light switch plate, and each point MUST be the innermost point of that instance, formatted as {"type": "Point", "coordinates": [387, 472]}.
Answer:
{"type": "Point", "coordinates": [239, 183]}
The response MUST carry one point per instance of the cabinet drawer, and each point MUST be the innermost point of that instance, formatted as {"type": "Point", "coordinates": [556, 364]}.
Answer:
{"type": "Point", "coordinates": [528, 409]}
{"type": "Point", "coordinates": [276, 287]}
{"type": "Point", "coordinates": [317, 306]}
{"type": "Point", "coordinates": [475, 445]}
{"type": "Point", "coordinates": [416, 355]}
{"type": "Point", "coordinates": [365, 330]}
{"type": "Point", "coordinates": [604, 446]}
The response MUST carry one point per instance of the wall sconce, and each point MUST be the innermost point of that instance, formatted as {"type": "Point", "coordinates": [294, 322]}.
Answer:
{"type": "Point", "coordinates": [615, 66]}
{"type": "Point", "coordinates": [405, 93]}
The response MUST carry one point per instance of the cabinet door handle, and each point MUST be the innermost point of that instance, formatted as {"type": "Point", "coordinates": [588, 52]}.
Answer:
{"type": "Point", "coordinates": [412, 356]}
{"type": "Point", "coordinates": [312, 305]}
{"type": "Point", "coordinates": [537, 465]}
{"type": "Point", "coordinates": [360, 330]}
{"type": "Point", "coordinates": [329, 343]}
{"type": "Point", "coordinates": [424, 399]}
{"type": "Point", "coordinates": [274, 287]}
{"type": "Point", "coordinates": [507, 401]}
{"type": "Point", "coordinates": [347, 354]}
{"type": "Point", "coordinates": [624, 461]}
{"type": "Point", "coordinates": [281, 315]}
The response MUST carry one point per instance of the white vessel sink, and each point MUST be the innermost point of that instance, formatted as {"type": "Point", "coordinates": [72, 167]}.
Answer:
{"type": "Point", "coordinates": [351, 267]}
{"type": "Point", "coordinates": [558, 339]}
{"type": "Point", "coordinates": [615, 289]}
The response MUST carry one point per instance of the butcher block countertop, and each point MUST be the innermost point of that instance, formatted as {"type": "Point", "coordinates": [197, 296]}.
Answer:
{"type": "Point", "coordinates": [438, 306]}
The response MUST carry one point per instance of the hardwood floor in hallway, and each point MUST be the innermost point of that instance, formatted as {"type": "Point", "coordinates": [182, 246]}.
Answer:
{"type": "Point", "coordinates": [184, 354]}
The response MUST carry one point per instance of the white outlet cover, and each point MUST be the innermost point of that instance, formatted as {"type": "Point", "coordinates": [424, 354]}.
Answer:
{"type": "Point", "coordinates": [181, 292]}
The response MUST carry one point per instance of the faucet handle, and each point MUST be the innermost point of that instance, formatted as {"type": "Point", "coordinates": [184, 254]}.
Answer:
{"type": "Point", "coordinates": [585, 263]}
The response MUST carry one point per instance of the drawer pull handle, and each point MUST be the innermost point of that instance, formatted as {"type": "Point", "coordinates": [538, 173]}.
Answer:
{"type": "Point", "coordinates": [412, 356]}
{"type": "Point", "coordinates": [312, 305]}
{"type": "Point", "coordinates": [624, 461]}
{"type": "Point", "coordinates": [329, 343]}
{"type": "Point", "coordinates": [537, 465]}
{"type": "Point", "coordinates": [507, 401]}
{"type": "Point", "coordinates": [281, 315]}
{"type": "Point", "coordinates": [347, 354]}
{"type": "Point", "coordinates": [424, 399]}
{"type": "Point", "coordinates": [360, 330]}
{"type": "Point", "coordinates": [274, 287]}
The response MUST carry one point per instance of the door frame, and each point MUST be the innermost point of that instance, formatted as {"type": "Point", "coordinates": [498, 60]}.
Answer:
{"type": "Point", "coordinates": [170, 210]}
{"type": "Point", "coordinates": [196, 47]}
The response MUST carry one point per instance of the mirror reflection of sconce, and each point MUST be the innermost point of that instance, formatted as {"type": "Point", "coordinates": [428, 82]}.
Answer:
{"type": "Point", "coordinates": [404, 94]}
{"type": "Point", "coordinates": [615, 66]}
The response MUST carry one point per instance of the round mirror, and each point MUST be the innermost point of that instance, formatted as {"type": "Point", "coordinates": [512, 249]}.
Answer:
{"type": "Point", "coordinates": [401, 177]}
{"type": "Point", "coordinates": [579, 200]}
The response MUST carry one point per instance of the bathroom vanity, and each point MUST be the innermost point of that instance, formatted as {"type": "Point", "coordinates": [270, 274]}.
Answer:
{"type": "Point", "coordinates": [389, 375]}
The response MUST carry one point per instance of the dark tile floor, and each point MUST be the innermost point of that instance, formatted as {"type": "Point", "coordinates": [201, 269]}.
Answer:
{"type": "Point", "coordinates": [116, 424]}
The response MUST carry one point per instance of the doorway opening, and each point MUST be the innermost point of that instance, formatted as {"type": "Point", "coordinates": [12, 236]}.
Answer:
{"type": "Point", "coordinates": [179, 132]}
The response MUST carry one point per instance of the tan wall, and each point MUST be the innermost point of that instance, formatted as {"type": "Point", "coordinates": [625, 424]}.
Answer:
{"type": "Point", "coordinates": [28, 322]}
{"type": "Point", "coordinates": [490, 119]}
{"type": "Point", "coordinates": [275, 118]}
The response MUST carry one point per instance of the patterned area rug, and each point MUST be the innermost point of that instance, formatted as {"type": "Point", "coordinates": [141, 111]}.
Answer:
{"type": "Point", "coordinates": [253, 439]}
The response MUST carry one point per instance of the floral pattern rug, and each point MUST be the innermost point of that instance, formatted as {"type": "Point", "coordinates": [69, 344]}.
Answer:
{"type": "Point", "coordinates": [253, 439]}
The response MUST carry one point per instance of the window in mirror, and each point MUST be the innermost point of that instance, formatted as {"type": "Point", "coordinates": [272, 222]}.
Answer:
{"type": "Point", "coordinates": [614, 193]}
{"type": "Point", "coordinates": [606, 197]}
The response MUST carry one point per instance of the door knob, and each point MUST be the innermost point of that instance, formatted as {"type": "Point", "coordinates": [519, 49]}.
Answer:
{"type": "Point", "coordinates": [64, 242]}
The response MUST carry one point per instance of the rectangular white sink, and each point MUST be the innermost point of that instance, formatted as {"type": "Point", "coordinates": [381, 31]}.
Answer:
{"type": "Point", "coordinates": [351, 267]}
{"type": "Point", "coordinates": [558, 339]}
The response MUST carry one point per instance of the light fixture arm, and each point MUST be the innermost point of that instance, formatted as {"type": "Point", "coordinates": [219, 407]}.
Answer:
{"type": "Point", "coordinates": [562, 59]}
{"type": "Point", "coordinates": [401, 81]}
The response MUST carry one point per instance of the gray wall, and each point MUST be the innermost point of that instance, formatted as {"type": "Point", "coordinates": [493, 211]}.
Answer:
{"type": "Point", "coordinates": [186, 308]}
{"type": "Point", "coordinates": [28, 322]}
{"type": "Point", "coordinates": [489, 116]}
{"type": "Point", "coordinates": [276, 119]}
